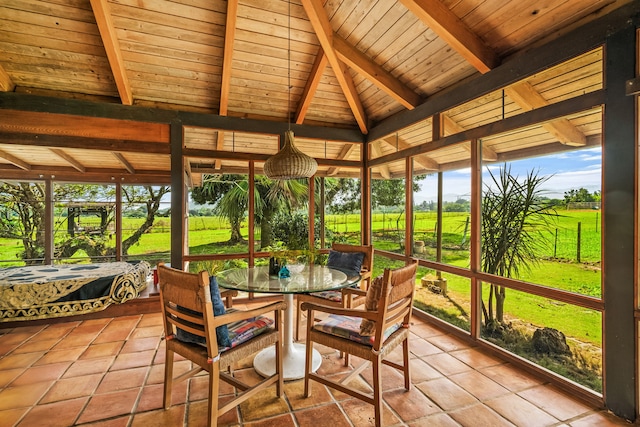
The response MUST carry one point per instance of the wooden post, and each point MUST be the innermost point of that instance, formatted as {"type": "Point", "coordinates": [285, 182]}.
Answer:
{"type": "Point", "coordinates": [619, 228]}
{"type": "Point", "coordinates": [178, 190]}
{"type": "Point", "coordinates": [579, 241]}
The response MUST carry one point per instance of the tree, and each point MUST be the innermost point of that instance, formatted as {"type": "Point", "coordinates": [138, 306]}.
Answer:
{"type": "Point", "coordinates": [342, 195]}
{"type": "Point", "coordinates": [513, 215]}
{"type": "Point", "coordinates": [230, 193]}
{"type": "Point", "coordinates": [580, 195]}
{"type": "Point", "coordinates": [22, 217]}
{"type": "Point", "coordinates": [96, 246]}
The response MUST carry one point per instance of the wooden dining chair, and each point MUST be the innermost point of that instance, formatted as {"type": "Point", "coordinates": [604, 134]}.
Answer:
{"type": "Point", "coordinates": [193, 331]}
{"type": "Point", "coordinates": [371, 333]}
{"type": "Point", "coordinates": [341, 298]}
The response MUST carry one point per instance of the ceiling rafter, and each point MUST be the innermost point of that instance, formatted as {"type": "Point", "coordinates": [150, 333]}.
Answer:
{"type": "Point", "coordinates": [15, 161]}
{"type": "Point", "coordinates": [6, 84]}
{"type": "Point", "coordinates": [322, 28]}
{"type": "Point", "coordinates": [124, 162]}
{"type": "Point", "coordinates": [424, 160]}
{"type": "Point", "coordinates": [69, 159]}
{"type": "Point", "coordinates": [310, 88]}
{"type": "Point", "coordinates": [376, 151]}
{"type": "Point", "coordinates": [112, 47]}
{"type": "Point", "coordinates": [455, 32]}
{"type": "Point", "coordinates": [528, 98]}
{"type": "Point", "coordinates": [225, 84]}
{"type": "Point", "coordinates": [345, 152]}
{"type": "Point", "coordinates": [451, 126]}
{"type": "Point", "coordinates": [375, 73]}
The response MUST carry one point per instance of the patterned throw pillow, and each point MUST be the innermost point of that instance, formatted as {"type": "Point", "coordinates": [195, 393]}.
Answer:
{"type": "Point", "coordinates": [368, 327]}
{"type": "Point", "coordinates": [222, 332]}
{"type": "Point", "coordinates": [349, 262]}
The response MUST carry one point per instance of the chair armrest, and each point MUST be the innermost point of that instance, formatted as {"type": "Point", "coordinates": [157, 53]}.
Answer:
{"type": "Point", "coordinates": [340, 311]}
{"type": "Point", "coordinates": [354, 291]}
{"type": "Point", "coordinates": [228, 295]}
{"type": "Point", "coordinates": [237, 315]}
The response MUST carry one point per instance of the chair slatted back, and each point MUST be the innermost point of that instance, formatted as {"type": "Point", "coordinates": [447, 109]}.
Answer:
{"type": "Point", "coordinates": [396, 299]}
{"type": "Point", "coordinates": [186, 302]}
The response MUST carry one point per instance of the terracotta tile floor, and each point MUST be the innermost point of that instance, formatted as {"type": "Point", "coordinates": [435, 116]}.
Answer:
{"type": "Point", "coordinates": [109, 373]}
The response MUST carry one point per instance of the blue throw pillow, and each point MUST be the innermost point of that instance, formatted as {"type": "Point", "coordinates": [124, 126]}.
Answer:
{"type": "Point", "coordinates": [349, 262]}
{"type": "Point", "coordinates": [222, 332]}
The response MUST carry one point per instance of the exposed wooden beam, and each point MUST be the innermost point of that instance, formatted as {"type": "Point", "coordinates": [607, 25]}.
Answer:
{"type": "Point", "coordinates": [188, 175]}
{"type": "Point", "coordinates": [424, 160]}
{"type": "Point", "coordinates": [450, 28]}
{"type": "Point", "coordinates": [229, 38]}
{"type": "Point", "coordinates": [528, 98]}
{"type": "Point", "coordinates": [346, 151]}
{"type": "Point", "coordinates": [383, 168]}
{"type": "Point", "coordinates": [322, 28]}
{"type": "Point", "coordinates": [6, 84]}
{"type": "Point", "coordinates": [15, 161]}
{"type": "Point", "coordinates": [93, 175]}
{"type": "Point", "coordinates": [310, 88]}
{"type": "Point", "coordinates": [538, 116]}
{"type": "Point", "coordinates": [83, 108]}
{"type": "Point", "coordinates": [451, 127]}
{"type": "Point", "coordinates": [112, 47]}
{"type": "Point", "coordinates": [85, 143]}
{"type": "Point", "coordinates": [125, 163]}
{"type": "Point", "coordinates": [227, 66]}
{"type": "Point", "coordinates": [219, 147]}
{"type": "Point", "coordinates": [69, 159]}
{"type": "Point", "coordinates": [375, 73]}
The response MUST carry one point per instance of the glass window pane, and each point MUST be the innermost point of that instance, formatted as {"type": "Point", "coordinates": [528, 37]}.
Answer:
{"type": "Point", "coordinates": [84, 223]}
{"type": "Point", "coordinates": [444, 295]}
{"type": "Point", "coordinates": [388, 206]}
{"type": "Point", "coordinates": [21, 210]}
{"type": "Point", "coordinates": [541, 220]}
{"type": "Point", "coordinates": [563, 338]}
{"type": "Point", "coordinates": [342, 207]}
{"type": "Point", "coordinates": [218, 215]}
{"type": "Point", "coordinates": [146, 224]}
{"type": "Point", "coordinates": [441, 223]}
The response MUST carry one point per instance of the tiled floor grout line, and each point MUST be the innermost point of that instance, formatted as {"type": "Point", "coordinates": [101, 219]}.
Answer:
{"type": "Point", "coordinates": [136, 332]}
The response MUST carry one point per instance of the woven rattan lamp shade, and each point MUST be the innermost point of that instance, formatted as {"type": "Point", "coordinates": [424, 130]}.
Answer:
{"type": "Point", "coordinates": [290, 163]}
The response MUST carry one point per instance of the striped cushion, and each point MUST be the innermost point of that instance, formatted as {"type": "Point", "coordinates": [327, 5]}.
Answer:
{"type": "Point", "coordinates": [349, 327]}
{"type": "Point", "coordinates": [239, 332]}
{"type": "Point", "coordinates": [335, 296]}
{"type": "Point", "coordinates": [243, 330]}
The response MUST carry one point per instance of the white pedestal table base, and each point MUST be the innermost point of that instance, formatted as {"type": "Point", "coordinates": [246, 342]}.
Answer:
{"type": "Point", "coordinates": [293, 354]}
{"type": "Point", "coordinates": [292, 362]}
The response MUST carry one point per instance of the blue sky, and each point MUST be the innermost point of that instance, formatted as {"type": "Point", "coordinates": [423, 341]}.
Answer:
{"type": "Point", "coordinates": [567, 171]}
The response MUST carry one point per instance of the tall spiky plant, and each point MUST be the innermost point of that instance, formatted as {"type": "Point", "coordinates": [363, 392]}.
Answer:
{"type": "Point", "coordinates": [514, 218]}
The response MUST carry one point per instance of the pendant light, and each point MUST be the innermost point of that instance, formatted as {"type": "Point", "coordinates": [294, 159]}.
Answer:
{"type": "Point", "coordinates": [289, 162]}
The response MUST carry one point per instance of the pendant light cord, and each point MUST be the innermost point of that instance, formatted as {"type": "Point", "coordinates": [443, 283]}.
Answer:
{"type": "Point", "coordinates": [289, 66]}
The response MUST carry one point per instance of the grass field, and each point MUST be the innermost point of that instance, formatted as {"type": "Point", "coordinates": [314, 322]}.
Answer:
{"type": "Point", "coordinates": [207, 233]}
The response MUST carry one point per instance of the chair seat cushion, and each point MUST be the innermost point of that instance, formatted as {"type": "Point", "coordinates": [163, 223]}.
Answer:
{"type": "Point", "coordinates": [349, 327]}
{"type": "Point", "coordinates": [244, 330]}
{"type": "Point", "coordinates": [238, 332]}
{"type": "Point", "coordinates": [335, 296]}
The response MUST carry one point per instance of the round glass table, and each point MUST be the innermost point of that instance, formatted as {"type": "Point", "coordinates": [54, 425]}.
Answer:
{"type": "Point", "coordinates": [303, 279]}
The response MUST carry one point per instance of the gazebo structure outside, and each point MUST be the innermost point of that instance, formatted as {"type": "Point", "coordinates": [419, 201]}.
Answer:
{"type": "Point", "coordinates": [164, 92]}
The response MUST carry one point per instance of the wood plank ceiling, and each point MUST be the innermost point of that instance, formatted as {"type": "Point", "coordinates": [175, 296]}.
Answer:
{"type": "Point", "coordinates": [347, 64]}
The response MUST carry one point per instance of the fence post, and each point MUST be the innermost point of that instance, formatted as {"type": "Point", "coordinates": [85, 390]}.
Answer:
{"type": "Point", "coordinates": [555, 244]}
{"type": "Point", "coordinates": [579, 232]}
